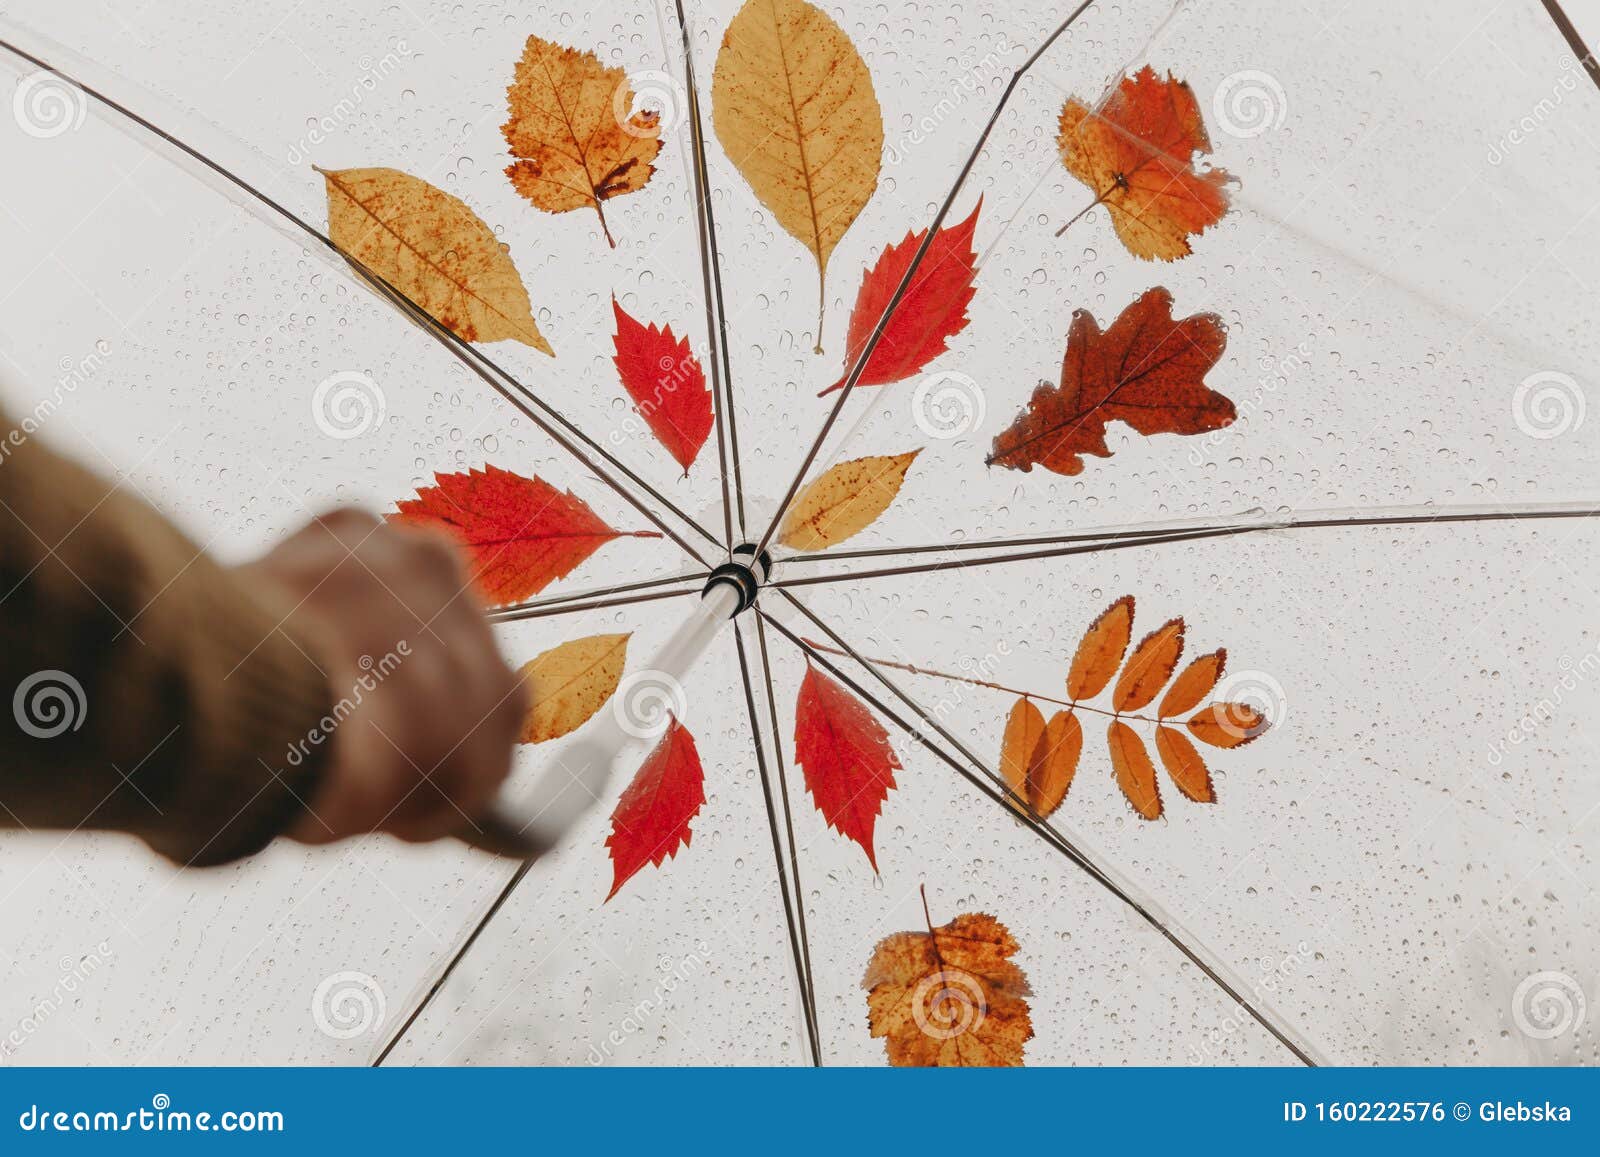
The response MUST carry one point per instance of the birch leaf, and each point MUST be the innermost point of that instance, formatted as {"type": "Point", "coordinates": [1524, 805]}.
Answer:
{"type": "Point", "coordinates": [793, 105]}
{"type": "Point", "coordinates": [568, 684]}
{"type": "Point", "coordinates": [844, 501]}
{"type": "Point", "coordinates": [434, 249]}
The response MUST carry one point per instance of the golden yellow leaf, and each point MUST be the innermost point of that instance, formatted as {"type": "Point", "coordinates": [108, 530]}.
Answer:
{"type": "Point", "coordinates": [844, 500]}
{"type": "Point", "coordinates": [1193, 684]}
{"type": "Point", "coordinates": [1054, 762]}
{"type": "Point", "coordinates": [949, 996]}
{"type": "Point", "coordinates": [1101, 650]}
{"type": "Point", "coordinates": [1024, 727]}
{"type": "Point", "coordinates": [1227, 724]}
{"type": "Point", "coordinates": [572, 129]}
{"type": "Point", "coordinates": [794, 108]}
{"type": "Point", "coordinates": [1184, 764]}
{"type": "Point", "coordinates": [569, 683]}
{"type": "Point", "coordinates": [1136, 775]}
{"type": "Point", "coordinates": [1149, 667]}
{"type": "Point", "coordinates": [434, 249]}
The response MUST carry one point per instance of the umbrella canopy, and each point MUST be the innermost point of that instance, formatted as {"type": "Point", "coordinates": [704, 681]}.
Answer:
{"type": "Point", "coordinates": [1398, 870]}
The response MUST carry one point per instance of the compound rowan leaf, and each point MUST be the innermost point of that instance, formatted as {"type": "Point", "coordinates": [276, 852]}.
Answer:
{"type": "Point", "coordinates": [1227, 724]}
{"type": "Point", "coordinates": [433, 249]}
{"type": "Point", "coordinates": [1100, 651]}
{"type": "Point", "coordinates": [793, 105]}
{"type": "Point", "coordinates": [666, 383]}
{"type": "Point", "coordinates": [1149, 667]}
{"type": "Point", "coordinates": [844, 501]}
{"type": "Point", "coordinates": [651, 821]}
{"type": "Point", "coordinates": [949, 996]}
{"type": "Point", "coordinates": [572, 129]}
{"type": "Point", "coordinates": [845, 753]}
{"type": "Point", "coordinates": [1054, 762]}
{"type": "Point", "coordinates": [1193, 684]}
{"type": "Point", "coordinates": [569, 683]}
{"type": "Point", "coordinates": [1024, 728]}
{"type": "Point", "coordinates": [520, 534]}
{"type": "Point", "coordinates": [1147, 370]}
{"type": "Point", "coordinates": [1136, 775]}
{"type": "Point", "coordinates": [1184, 764]}
{"type": "Point", "coordinates": [1136, 153]}
{"type": "Point", "coordinates": [932, 311]}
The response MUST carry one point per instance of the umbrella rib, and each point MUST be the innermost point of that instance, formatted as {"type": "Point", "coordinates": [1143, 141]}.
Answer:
{"type": "Point", "coordinates": [716, 311]}
{"type": "Point", "coordinates": [859, 365]}
{"type": "Point", "coordinates": [461, 350]}
{"type": "Point", "coordinates": [798, 947]}
{"type": "Point", "coordinates": [994, 786]}
{"type": "Point", "coordinates": [537, 610]}
{"type": "Point", "coordinates": [600, 592]}
{"type": "Point", "coordinates": [1575, 42]}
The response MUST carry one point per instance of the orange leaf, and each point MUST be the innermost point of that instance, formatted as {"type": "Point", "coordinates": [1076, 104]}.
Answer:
{"type": "Point", "coordinates": [933, 310]}
{"type": "Point", "coordinates": [1100, 651]}
{"type": "Point", "coordinates": [651, 821]}
{"type": "Point", "coordinates": [1193, 684]}
{"type": "Point", "coordinates": [1147, 370]}
{"type": "Point", "coordinates": [1136, 153]}
{"type": "Point", "coordinates": [1024, 728]}
{"type": "Point", "coordinates": [666, 383]}
{"type": "Point", "coordinates": [1227, 724]}
{"type": "Point", "coordinates": [1150, 667]}
{"type": "Point", "coordinates": [1184, 764]}
{"type": "Point", "coordinates": [520, 534]}
{"type": "Point", "coordinates": [949, 996]}
{"type": "Point", "coordinates": [845, 753]}
{"type": "Point", "coordinates": [1055, 760]}
{"type": "Point", "coordinates": [1136, 775]}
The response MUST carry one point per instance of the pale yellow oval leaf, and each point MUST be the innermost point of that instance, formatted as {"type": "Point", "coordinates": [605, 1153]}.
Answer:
{"type": "Point", "coordinates": [1136, 775]}
{"type": "Point", "coordinates": [845, 500]}
{"type": "Point", "coordinates": [569, 683]}
{"type": "Point", "coordinates": [435, 250]}
{"type": "Point", "coordinates": [793, 105]}
{"type": "Point", "coordinates": [1024, 726]}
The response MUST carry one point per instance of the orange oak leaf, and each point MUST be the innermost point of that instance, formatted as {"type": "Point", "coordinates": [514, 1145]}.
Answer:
{"type": "Point", "coordinates": [848, 762]}
{"type": "Point", "coordinates": [1100, 652]}
{"type": "Point", "coordinates": [1149, 667]}
{"type": "Point", "coordinates": [933, 310]}
{"type": "Point", "coordinates": [1136, 775]}
{"type": "Point", "coordinates": [1184, 764]}
{"type": "Point", "coordinates": [572, 129]}
{"type": "Point", "coordinates": [1227, 724]}
{"type": "Point", "coordinates": [1136, 153]}
{"type": "Point", "coordinates": [651, 821]}
{"type": "Point", "coordinates": [1146, 370]}
{"type": "Point", "coordinates": [520, 534]}
{"type": "Point", "coordinates": [666, 383]}
{"type": "Point", "coordinates": [949, 996]}
{"type": "Point", "coordinates": [1193, 684]}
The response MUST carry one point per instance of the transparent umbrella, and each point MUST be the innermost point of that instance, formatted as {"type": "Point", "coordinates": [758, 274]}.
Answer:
{"type": "Point", "coordinates": [1385, 520]}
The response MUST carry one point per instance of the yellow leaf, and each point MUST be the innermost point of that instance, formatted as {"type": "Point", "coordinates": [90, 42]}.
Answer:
{"type": "Point", "coordinates": [572, 129]}
{"type": "Point", "coordinates": [1054, 762]}
{"type": "Point", "coordinates": [1184, 764]}
{"type": "Point", "coordinates": [1100, 651]}
{"type": "Point", "coordinates": [434, 249]}
{"type": "Point", "coordinates": [1024, 727]}
{"type": "Point", "coordinates": [569, 683]}
{"type": "Point", "coordinates": [1149, 667]}
{"type": "Point", "coordinates": [1193, 684]}
{"type": "Point", "coordinates": [844, 501]}
{"type": "Point", "coordinates": [1136, 775]}
{"type": "Point", "coordinates": [794, 108]}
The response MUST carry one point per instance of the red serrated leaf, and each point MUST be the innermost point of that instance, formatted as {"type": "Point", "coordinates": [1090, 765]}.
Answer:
{"type": "Point", "coordinates": [651, 821]}
{"type": "Point", "coordinates": [666, 383]}
{"type": "Point", "coordinates": [845, 753]}
{"type": "Point", "coordinates": [932, 312]}
{"type": "Point", "coordinates": [520, 534]}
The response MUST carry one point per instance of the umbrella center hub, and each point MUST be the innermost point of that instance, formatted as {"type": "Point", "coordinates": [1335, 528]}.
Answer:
{"type": "Point", "coordinates": [746, 573]}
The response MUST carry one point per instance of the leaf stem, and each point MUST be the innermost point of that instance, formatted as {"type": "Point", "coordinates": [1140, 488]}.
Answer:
{"type": "Point", "coordinates": [1081, 213]}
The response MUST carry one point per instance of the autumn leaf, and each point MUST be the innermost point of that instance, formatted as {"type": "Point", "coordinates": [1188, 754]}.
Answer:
{"type": "Point", "coordinates": [1227, 724]}
{"type": "Point", "coordinates": [949, 996]}
{"type": "Point", "coordinates": [1136, 152]}
{"type": "Point", "coordinates": [666, 383]}
{"type": "Point", "coordinates": [568, 684]}
{"type": "Point", "coordinates": [1184, 764]}
{"type": "Point", "coordinates": [433, 249]}
{"type": "Point", "coordinates": [520, 534]}
{"type": "Point", "coordinates": [932, 311]}
{"type": "Point", "coordinates": [1100, 652]}
{"type": "Point", "coordinates": [845, 753]}
{"type": "Point", "coordinates": [651, 820]}
{"type": "Point", "coordinates": [843, 501]}
{"type": "Point", "coordinates": [1136, 775]}
{"type": "Point", "coordinates": [1054, 762]}
{"type": "Point", "coordinates": [793, 105]}
{"type": "Point", "coordinates": [1024, 728]}
{"type": "Point", "coordinates": [1146, 370]}
{"type": "Point", "coordinates": [1194, 684]}
{"type": "Point", "coordinates": [1149, 667]}
{"type": "Point", "coordinates": [576, 141]}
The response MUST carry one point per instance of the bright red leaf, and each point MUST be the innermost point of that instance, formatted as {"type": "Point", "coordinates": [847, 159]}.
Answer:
{"type": "Point", "coordinates": [666, 383]}
{"type": "Point", "coordinates": [932, 312]}
{"type": "Point", "coordinates": [520, 534]}
{"type": "Point", "coordinates": [652, 817]}
{"type": "Point", "coordinates": [845, 753]}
